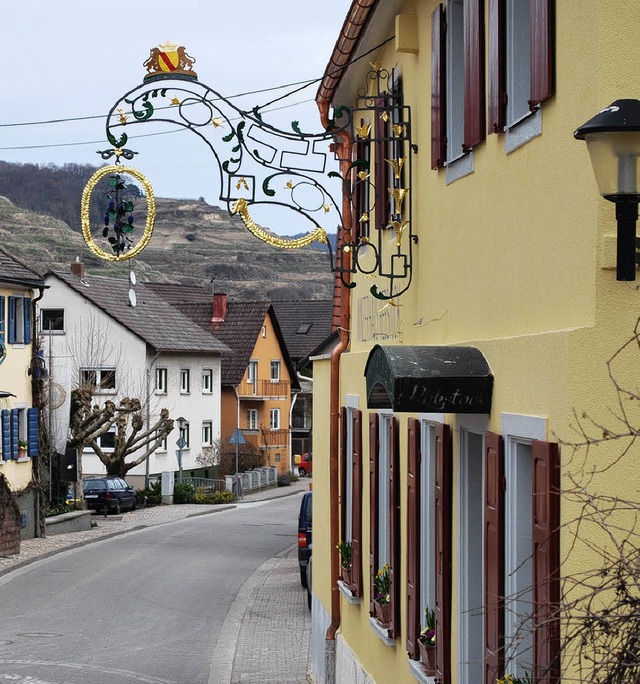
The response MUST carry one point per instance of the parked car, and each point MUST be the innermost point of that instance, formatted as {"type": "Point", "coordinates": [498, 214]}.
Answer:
{"type": "Point", "coordinates": [306, 465]}
{"type": "Point", "coordinates": [304, 535]}
{"type": "Point", "coordinates": [108, 494]}
{"type": "Point", "coordinates": [309, 582]}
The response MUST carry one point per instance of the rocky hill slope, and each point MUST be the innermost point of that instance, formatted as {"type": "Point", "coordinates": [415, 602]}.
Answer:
{"type": "Point", "coordinates": [193, 243]}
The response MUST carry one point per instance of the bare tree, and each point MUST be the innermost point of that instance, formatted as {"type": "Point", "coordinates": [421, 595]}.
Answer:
{"type": "Point", "coordinates": [90, 421]}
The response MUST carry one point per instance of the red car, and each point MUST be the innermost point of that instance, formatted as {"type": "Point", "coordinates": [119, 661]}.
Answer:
{"type": "Point", "coordinates": [306, 465]}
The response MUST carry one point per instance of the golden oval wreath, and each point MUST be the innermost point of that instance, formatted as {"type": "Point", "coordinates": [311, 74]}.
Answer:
{"type": "Point", "coordinates": [86, 221]}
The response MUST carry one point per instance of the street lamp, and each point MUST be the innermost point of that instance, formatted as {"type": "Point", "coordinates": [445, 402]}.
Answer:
{"type": "Point", "coordinates": [613, 141]}
{"type": "Point", "coordinates": [181, 443]}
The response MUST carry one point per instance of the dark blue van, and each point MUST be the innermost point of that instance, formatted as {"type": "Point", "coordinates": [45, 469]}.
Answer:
{"type": "Point", "coordinates": [304, 535]}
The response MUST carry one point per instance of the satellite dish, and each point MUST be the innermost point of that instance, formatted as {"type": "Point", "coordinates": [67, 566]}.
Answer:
{"type": "Point", "coordinates": [132, 278]}
{"type": "Point", "coordinates": [133, 300]}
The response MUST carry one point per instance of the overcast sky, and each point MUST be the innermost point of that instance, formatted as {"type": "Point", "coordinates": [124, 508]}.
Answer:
{"type": "Point", "coordinates": [76, 58]}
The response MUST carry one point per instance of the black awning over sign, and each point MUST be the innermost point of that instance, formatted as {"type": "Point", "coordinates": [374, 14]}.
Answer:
{"type": "Point", "coordinates": [428, 379]}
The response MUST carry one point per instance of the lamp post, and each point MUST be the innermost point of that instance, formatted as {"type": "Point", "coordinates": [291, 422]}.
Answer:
{"type": "Point", "coordinates": [181, 443]}
{"type": "Point", "coordinates": [613, 142]}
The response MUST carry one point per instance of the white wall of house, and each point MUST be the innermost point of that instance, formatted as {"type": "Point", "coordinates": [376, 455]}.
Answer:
{"type": "Point", "coordinates": [97, 341]}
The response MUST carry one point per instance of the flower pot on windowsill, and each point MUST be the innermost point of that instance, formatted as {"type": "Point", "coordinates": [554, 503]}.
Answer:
{"type": "Point", "coordinates": [22, 453]}
{"type": "Point", "coordinates": [345, 575]}
{"type": "Point", "coordinates": [382, 612]}
{"type": "Point", "coordinates": [427, 658]}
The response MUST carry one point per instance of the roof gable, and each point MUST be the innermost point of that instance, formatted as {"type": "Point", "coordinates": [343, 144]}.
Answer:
{"type": "Point", "coordinates": [153, 319]}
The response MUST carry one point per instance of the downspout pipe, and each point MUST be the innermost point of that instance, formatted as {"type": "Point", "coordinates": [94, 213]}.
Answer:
{"type": "Point", "coordinates": [343, 149]}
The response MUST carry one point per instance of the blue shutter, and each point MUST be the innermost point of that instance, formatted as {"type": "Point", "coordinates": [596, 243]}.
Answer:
{"type": "Point", "coordinates": [15, 432]}
{"type": "Point", "coordinates": [6, 434]}
{"type": "Point", "coordinates": [12, 320]}
{"type": "Point", "coordinates": [26, 306]}
{"type": "Point", "coordinates": [2, 312]}
{"type": "Point", "coordinates": [33, 432]}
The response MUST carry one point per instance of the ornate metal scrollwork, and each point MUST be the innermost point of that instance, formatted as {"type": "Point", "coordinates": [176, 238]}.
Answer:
{"type": "Point", "coordinates": [259, 164]}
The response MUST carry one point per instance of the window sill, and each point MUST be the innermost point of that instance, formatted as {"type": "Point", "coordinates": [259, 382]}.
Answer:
{"type": "Point", "coordinates": [522, 131]}
{"type": "Point", "coordinates": [160, 392]}
{"type": "Point", "coordinates": [382, 633]}
{"type": "Point", "coordinates": [416, 670]}
{"type": "Point", "coordinates": [459, 168]}
{"type": "Point", "coordinates": [24, 459]}
{"type": "Point", "coordinates": [348, 594]}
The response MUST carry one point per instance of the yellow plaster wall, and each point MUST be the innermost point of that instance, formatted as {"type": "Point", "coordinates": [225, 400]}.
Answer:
{"type": "Point", "coordinates": [15, 379]}
{"type": "Point", "coordinates": [517, 259]}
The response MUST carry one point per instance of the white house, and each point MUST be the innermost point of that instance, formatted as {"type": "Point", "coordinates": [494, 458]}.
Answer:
{"type": "Point", "coordinates": [133, 345]}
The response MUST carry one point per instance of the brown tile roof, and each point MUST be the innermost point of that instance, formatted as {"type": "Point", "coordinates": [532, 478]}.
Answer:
{"type": "Point", "coordinates": [14, 271]}
{"type": "Point", "coordinates": [239, 331]}
{"type": "Point", "coordinates": [153, 319]}
{"type": "Point", "coordinates": [305, 324]}
{"type": "Point", "coordinates": [178, 294]}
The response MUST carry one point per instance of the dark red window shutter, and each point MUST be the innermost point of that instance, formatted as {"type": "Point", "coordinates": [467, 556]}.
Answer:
{"type": "Point", "coordinates": [413, 537]}
{"type": "Point", "coordinates": [546, 560]}
{"type": "Point", "coordinates": [394, 528]}
{"type": "Point", "coordinates": [438, 102]}
{"type": "Point", "coordinates": [493, 557]}
{"type": "Point", "coordinates": [474, 122]}
{"type": "Point", "coordinates": [373, 504]}
{"type": "Point", "coordinates": [497, 69]}
{"type": "Point", "coordinates": [443, 522]}
{"type": "Point", "coordinates": [343, 472]}
{"type": "Point", "coordinates": [356, 506]}
{"type": "Point", "coordinates": [381, 129]}
{"type": "Point", "coordinates": [542, 51]}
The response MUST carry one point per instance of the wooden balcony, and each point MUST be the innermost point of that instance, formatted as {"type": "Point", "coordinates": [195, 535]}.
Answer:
{"type": "Point", "coordinates": [264, 389]}
{"type": "Point", "coordinates": [267, 439]}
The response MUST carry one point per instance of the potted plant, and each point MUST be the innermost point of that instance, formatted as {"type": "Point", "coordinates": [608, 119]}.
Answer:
{"type": "Point", "coordinates": [344, 548]}
{"type": "Point", "coordinates": [427, 642]}
{"type": "Point", "coordinates": [382, 600]}
{"type": "Point", "coordinates": [511, 679]}
{"type": "Point", "coordinates": [22, 448]}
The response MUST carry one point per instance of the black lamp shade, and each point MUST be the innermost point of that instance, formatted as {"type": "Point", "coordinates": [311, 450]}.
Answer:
{"type": "Point", "coordinates": [613, 141]}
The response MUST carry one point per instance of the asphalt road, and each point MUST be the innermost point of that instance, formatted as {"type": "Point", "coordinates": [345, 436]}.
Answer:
{"type": "Point", "coordinates": [147, 606]}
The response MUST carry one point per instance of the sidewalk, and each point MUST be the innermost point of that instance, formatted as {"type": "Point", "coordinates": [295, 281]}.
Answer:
{"type": "Point", "coordinates": [265, 637]}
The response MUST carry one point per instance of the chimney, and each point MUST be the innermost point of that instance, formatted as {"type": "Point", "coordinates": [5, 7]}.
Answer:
{"type": "Point", "coordinates": [77, 269]}
{"type": "Point", "coordinates": [219, 307]}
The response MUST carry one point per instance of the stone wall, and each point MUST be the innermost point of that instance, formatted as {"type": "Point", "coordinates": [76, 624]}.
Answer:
{"type": "Point", "coordinates": [9, 521]}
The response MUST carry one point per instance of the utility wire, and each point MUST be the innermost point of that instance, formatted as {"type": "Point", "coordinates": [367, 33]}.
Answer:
{"type": "Point", "coordinates": [302, 85]}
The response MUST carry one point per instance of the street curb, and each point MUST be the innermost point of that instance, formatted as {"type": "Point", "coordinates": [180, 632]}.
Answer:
{"type": "Point", "coordinates": [224, 652]}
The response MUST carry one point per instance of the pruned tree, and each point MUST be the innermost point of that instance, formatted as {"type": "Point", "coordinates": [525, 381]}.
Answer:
{"type": "Point", "coordinates": [90, 421]}
{"type": "Point", "coordinates": [210, 456]}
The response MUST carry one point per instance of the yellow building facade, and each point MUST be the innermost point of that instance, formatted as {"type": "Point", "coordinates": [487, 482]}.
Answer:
{"type": "Point", "coordinates": [460, 399]}
{"type": "Point", "coordinates": [19, 419]}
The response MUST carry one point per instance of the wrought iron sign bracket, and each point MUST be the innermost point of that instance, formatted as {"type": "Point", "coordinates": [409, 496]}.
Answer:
{"type": "Point", "coordinates": [260, 165]}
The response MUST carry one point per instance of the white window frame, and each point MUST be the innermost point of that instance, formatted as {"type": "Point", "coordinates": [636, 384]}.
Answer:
{"type": "Point", "coordinates": [470, 620]}
{"type": "Point", "coordinates": [384, 487]}
{"type": "Point", "coordinates": [252, 419]}
{"type": "Point", "coordinates": [455, 78]}
{"type": "Point", "coordinates": [185, 381]}
{"type": "Point", "coordinates": [54, 331]}
{"type": "Point", "coordinates": [521, 123]}
{"type": "Point", "coordinates": [207, 381]}
{"type": "Point", "coordinates": [427, 550]}
{"type": "Point", "coordinates": [252, 372]}
{"type": "Point", "coordinates": [161, 381]}
{"type": "Point", "coordinates": [99, 372]}
{"type": "Point", "coordinates": [162, 448]}
{"type": "Point", "coordinates": [518, 432]}
{"type": "Point", "coordinates": [275, 370]}
{"type": "Point", "coordinates": [274, 419]}
{"type": "Point", "coordinates": [207, 433]}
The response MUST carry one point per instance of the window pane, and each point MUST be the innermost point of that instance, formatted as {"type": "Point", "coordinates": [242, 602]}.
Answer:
{"type": "Point", "coordinates": [108, 379]}
{"type": "Point", "coordinates": [52, 319]}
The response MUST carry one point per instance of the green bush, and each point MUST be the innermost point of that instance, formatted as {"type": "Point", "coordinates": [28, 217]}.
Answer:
{"type": "Point", "coordinates": [151, 496]}
{"type": "Point", "coordinates": [183, 493]}
{"type": "Point", "coordinates": [215, 498]}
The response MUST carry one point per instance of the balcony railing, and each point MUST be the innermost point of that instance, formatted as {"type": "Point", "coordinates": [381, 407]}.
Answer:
{"type": "Point", "coordinates": [268, 389]}
{"type": "Point", "coordinates": [269, 439]}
